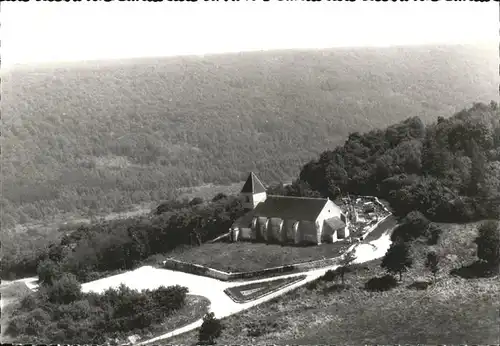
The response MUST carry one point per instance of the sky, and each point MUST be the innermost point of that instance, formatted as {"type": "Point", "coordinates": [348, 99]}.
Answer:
{"type": "Point", "coordinates": [34, 32]}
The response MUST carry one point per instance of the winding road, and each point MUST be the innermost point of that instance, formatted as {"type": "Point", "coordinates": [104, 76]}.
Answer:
{"type": "Point", "coordinates": [148, 277]}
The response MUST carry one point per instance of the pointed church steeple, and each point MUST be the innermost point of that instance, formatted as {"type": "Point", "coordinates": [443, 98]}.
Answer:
{"type": "Point", "coordinates": [253, 192]}
{"type": "Point", "coordinates": [253, 185]}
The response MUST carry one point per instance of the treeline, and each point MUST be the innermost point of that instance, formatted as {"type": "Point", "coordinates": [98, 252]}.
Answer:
{"type": "Point", "coordinates": [123, 244]}
{"type": "Point", "coordinates": [102, 137]}
{"type": "Point", "coordinates": [59, 312]}
{"type": "Point", "coordinates": [449, 170]}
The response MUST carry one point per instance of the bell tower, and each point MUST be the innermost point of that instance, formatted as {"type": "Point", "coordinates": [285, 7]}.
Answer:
{"type": "Point", "coordinates": [253, 192]}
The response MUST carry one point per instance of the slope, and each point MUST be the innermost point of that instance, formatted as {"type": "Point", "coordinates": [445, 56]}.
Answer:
{"type": "Point", "coordinates": [106, 135]}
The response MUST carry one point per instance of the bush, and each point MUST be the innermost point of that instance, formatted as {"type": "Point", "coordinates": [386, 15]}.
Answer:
{"type": "Point", "coordinates": [384, 283]}
{"type": "Point", "coordinates": [433, 235]}
{"type": "Point", "coordinates": [312, 285]}
{"type": "Point", "coordinates": [330, 275]}
{"type": "Point", "coordinates": [30, 324]}
{"type": "Point", "coordinates": [219, 196]}
{"type": "Point", "coordinates": [169, 299]}
{"type": "Point", "coordinates": [420, 285]}
{"type": "Point", "coordinates": [477, 269]}
{"type": "Point", "coordinates": [488, 244]}
{"type": "Point", "coordinates": [61, 313]}
{"type": "Point", "coordinates": [210, 330]}
{"type": "Point", "coordinates": [413, 226]}
{"type": "Point", "coordinates": [48, 271]}
{"type": "Point", "coordinates": [65, 290]}
{"type": "Point", "coordinates": [28, 303]}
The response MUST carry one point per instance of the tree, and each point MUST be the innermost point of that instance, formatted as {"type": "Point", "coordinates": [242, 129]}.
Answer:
{"type": "Point", "coordinates": [219, 197]}
{"type": "Point", "coordinates": [414, 225]}
{"type": "Point", "coordinates": [479, 161]}
{"type": "Point", "coordinates": [210, 330]}
{"type": "Point", "coordinates": [65, 290]}
{"type": "Point", "coordinates": [488, 244]}
{"type": "Point", "coordinates": [345, 262]}
{"type": "Point", "coordinates": [48, 271]}
{"type": "Point", "coordinates": [397, 259]}
{"type": "Point", "coordinates": [432, 263]}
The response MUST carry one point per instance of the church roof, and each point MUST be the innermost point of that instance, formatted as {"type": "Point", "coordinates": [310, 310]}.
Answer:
{"type": "Point", "coordinates": [335, 223]}
{"type": "Point", "coordinates": [291, 208]}
{"type": "Point", "coordinates": [253, 185]}
{"type": "Point", "coordinates": [245, 221]}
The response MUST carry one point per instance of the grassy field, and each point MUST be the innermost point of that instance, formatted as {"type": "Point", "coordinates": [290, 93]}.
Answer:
{"type": "Point", "coordinates": [246, 256]}
{"type": "Point", "coordinates": [453, 310]}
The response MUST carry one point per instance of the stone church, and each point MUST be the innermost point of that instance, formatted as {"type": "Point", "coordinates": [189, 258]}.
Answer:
{"type": "Point", "coordinates": [281, 219]}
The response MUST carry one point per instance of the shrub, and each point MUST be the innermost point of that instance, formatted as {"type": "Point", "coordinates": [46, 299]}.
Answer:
{"type": "Point", "coordinates": [28, 303]}
{"type": "Point", "coordinates": [432, 263]}
{"type": "Point", "coordinates": [210, 330]}
{"type": "Point", "coordinates": [31, 324]}
{"type": "Point", "coordinates": [433, 234]}
{"type": "Point", "coordinates": [219, 196]}
{"type": "Point", "coordinates": [384, 283]}
{"type": "Point", "coordinates": [48, 271]}
{"type": "Point", "coordinates": [312, 285]}
{"type": "Point", "coordinates": [65, 290]}
{"type": "Point", "coordinates": [414, 225]}
{"type": "Point", "coordinates": [488, 244]}
{"type": "Point", "coordinates": [169, 299]}
{"type": "Point", "coordinates": [477, 269]}
{"type": "Point", "coordinates": [330, 275]}
{"type": "Point", "coordinates": [420, 285]}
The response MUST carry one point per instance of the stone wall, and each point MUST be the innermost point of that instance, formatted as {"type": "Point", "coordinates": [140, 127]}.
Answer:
{"type": "Point", "coordinates": [269, 272]}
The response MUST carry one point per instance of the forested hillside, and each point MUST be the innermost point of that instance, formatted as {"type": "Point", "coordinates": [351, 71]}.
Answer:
{"type": "Point", "coordinates": [448, 170]}
{"type": "Point", "coordinates": [103, 136]}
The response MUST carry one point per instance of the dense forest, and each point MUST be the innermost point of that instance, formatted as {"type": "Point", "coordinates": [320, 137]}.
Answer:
{"type": "Point", "coordinates": [91, 251]}
{"type": "Point", "coordinates": [449, 170]}
{"type": "Point", "coordinates": [101, 137]}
